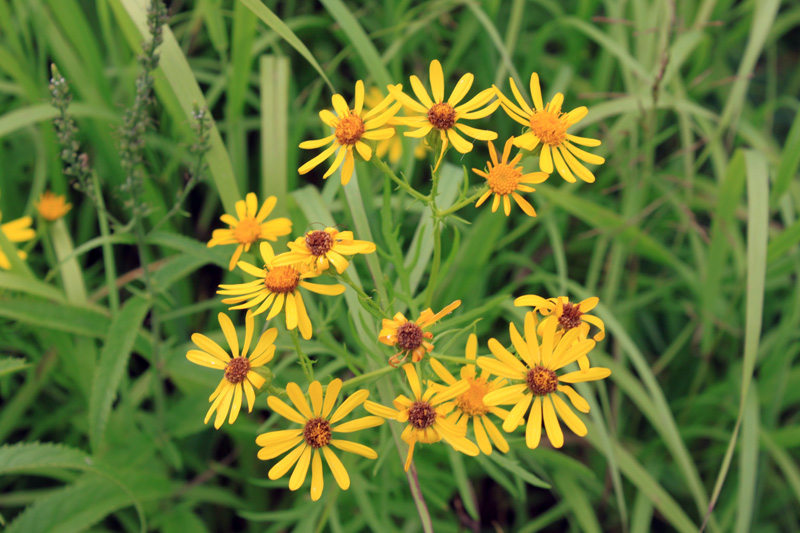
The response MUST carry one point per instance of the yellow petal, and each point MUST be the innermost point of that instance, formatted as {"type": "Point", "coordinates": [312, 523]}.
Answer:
{"type": "Point", "coordinates": [533, 433]}
{"type": "Point", "coordinates": [358, 424]}
{"type": "Point", "coordinates": [272, 451]}
{"type": "Point", "coordinates": [280, 407]}
{"type": "Point", "coordinates": [315, 393]}
{"type": "Point", "coordinates": [298, 399]}
{"type": "Point", "coordinates": [283, 466]}
{"type": "Point", "coordinates": [336, 466]}
{"type": "Point", "coordinates": [551, 424]}
{"type": "Point", "coordinates": [301, 469]}
{"type": "Point", "coordinates": [413, 380]}
{"type": "Point", "coordinates": [570, 419]}
{"type": "Point", "coordinates": [461, 89]}
{"type": "Point", "coordinates": [591, 374]}
{"type": "Point", "coordinates": [331, 395]}
{"type": "Point", "coordinates": [317, 479]}
{"type": "Point", "coordinates": [354, 447]}
{"type": "Point", "coordinates": [353, 401]}
{"type": "Point", "coordinates": [516, 414]}
{"type": "Point", "coordinates": [437, 81]}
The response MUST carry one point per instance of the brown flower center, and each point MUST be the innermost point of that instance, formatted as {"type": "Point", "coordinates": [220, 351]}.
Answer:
{"type": "Point", "coordinates": [409, 336]}
{"type": "Point", "coordinates": [442, 116]}
{"type": "Point", "coordinates": [282, 279]}
{"type": "Point", "coordinates": [349, 129]}
{"type": "Point", "coordinates": [237, 370]}
{"type": "Point", "coordinates": [421, 415]}
{"type": "Point", "coordinates": [247, 231]}
{"type": "Point", "coordinates": [503, 179]}
{"type": "Point", "coordinates": [549, 126]}
{"type": "Point", "coordinates": [570, 316]}
{"type": "Point", "coordinates": [317, 432]}
{"type": "Point", "coordinates": [541, 380]}
{"type": "Point", "coordinates": [318, 242]}
{"type": "Point", "coordinates": [471, 402]}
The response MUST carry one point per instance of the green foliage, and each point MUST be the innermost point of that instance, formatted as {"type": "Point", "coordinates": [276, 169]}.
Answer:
{"type": "Point", "coordinates": [690, 237]}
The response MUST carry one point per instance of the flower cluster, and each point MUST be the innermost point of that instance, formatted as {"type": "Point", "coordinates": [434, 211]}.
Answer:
{"type": "Point", "coordinates": [466, 411]}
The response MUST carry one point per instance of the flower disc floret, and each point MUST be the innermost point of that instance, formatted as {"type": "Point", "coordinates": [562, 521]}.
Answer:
{"type": "Point", "coordinates": [247, 231]}
{"type": "Point", "coordinates": [471, 402]}
{"type": "Point", "coordinates": [350, 129]}
{"type": "Point", "coordinates": [282, 279]}
{"type": "Point", "coordinates": [409, 336]}
{"type": "Point", "coordinates": [570, 316]}
{"type": "Point", "coordinates": [549, 126]}
{"type": "Point", "coordinates": [503, 179]}
{"type": "Point", "coordinates": [442, 116]}
{"type": "Point", "coordinates": [319, 242]}
{"type": "Point", "coordinates": [317, 432]}
{"type": "Point", "coordinates": [237, 370]}
{"type": "Point", "coordinates": [421, 415]}
{"type": "Point", "coordinates": [541, 380]}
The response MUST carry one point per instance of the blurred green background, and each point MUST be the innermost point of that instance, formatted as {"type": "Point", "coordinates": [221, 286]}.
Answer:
{"type": "Point", "coordinates": [689, 237]}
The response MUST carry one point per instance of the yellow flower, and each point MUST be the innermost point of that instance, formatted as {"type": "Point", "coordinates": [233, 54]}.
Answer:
{"type": "Point", "coordinates": [316, 436]}
{"type": "Point", "coordinates": [239, 376]}
{"type": "Point", "coordinates": [469, 404]}
{"type": "Point", "coordinates": [411, 337]}
{"type": "Point", "coordinates": [250, 226]}
{"type": "Point", "coordinates": [394, 145]}
{"type": "Point", "coordinates": [534, 378]}
{"type": "Point", "coordinates": [350, 127]}
{"type": "Point", "coordinates": [319, 248]}
{"type": "Point", "coordinates": [568, 315]}
{"type": "Point", "coordinates": [426, 416]}
{"type": "Point", "coordinates": [274, 286]}
{"type": "Point", "coordinates": [52, 206]}
{"type": "Point", "coordinates": [446, 116]}
{"type": "Point", "coordinates": [548, 126]}
{"type": "Point", "coordinates": [504, 178]}
{"type": "Point", "coordinates": [18, 230]}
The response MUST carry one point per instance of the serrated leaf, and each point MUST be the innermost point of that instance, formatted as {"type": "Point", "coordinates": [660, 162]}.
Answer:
{"type": "Point", "coordinates": [110, 368]}
{"type": "Point", "coordinates": [27, 457]}
{"type": "Point", "coordinates": [62, 317]}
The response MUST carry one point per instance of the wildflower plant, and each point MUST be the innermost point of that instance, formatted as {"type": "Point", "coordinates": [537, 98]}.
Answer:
{"type": "Point", "coordinates": [419, 342]}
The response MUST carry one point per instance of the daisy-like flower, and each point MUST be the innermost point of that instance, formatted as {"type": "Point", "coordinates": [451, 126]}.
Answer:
{"type": "Point", "coordinates": [568, 315]}
{"type": "Point", "coordinates": [240, 378]}
{"type": "Point", "coordinates": [426, 416]}
{"type": "Point", "coordinates": [548, 126]}
{"type": "Point", "coordinates": [249, 227]}
{"type": "Point", "coordinates": [319, 248]}
{"type": "Point", "coordinates": [469, 404]}
{"type": "Point", "coordinates": [351, 127]}
{"type": "Point", "coordinates": [411, 337]}
{"type": "Point", "coordinates": [52, 206]}
{"type": "Point", "coordinates": [446, 116]}
{"type": "Point", "coordinates": [18, 230]}
{"type": "Point", "coordinates": [505, 178]}
{"type": "Point", "coordinates": [275, 286]}
{"type": "Point", "coordinates": [534, 380]}
{"type": "Point", "coordinates": [316, 437]}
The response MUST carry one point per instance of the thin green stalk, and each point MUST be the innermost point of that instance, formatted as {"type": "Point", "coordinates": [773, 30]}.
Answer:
{"type": "Point", "coordinates": [383, 167]}
{"type": "Point", "coordinates": [437, 260]}
{"type": "Point", "coordinates": [366, 301]}
{"type": "Point", "coordinates": [109, 265]}
{"type": "Point", "coordinates": [455, 207]}
{"type": "Point", "coordinates": [368, 377]}
{"type": "Point", "coordinates": [305, 361]}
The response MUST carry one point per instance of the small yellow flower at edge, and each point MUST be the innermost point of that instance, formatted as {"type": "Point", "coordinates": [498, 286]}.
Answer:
{"type": "Point", "coordinates": [239, 378]}
{"type": "Point", "coordinates": [548, 126]}
{"type": "Point", "coordinates": [316, 437]}
{"type": "Point", "coordinates": [18, 230]}
{"type": "Point", "coordinates": [350, 126]}
{"type": "Point", "coordinates": [504, 179]}
{"type": "Point", "coordinates": [249, 226]}
{"type": "Point", "coordinates": [51, 206]}
{"type": "Point", "coordinates": [534, 381]}
{"type": "Point", "coordinates": [426, 416]}
{"type": "Point", "coordinates": [319, 248]}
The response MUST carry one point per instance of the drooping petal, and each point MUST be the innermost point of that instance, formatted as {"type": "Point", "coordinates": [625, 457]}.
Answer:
{"type": "Point", "coordinates": [281, 467]}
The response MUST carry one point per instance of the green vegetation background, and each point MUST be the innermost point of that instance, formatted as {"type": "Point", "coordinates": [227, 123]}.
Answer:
{"type": "Point", "coordinates": [690, 238]}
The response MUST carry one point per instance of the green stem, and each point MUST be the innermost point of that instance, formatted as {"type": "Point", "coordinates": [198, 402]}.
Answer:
{"type": "Point", "coordinates": [108, 252]}
{"type": "Point", "coordinates": [452, 209]}
{"type": "Point", "coordinates": [366, 301]}
{"type": "Point", "coordinates": [437, 260]}
{"type": "Point", "coordinates": [383, 167]}
{"type": "Point", "coordinates": [368, 377]}
{"type": "Point", "coordinates": [305, 361]}
{"type": "Point", "coordinates": [452, 359]}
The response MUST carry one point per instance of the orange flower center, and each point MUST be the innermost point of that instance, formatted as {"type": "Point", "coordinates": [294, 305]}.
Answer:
{"type": "Point", "coordinates": [503, 179]}
{"type": "Point", "coordinates": [409, 336]}
{"type": "Point", "coordinates": [237, 370]}
{"type": "Point", "coordinates": [282, 279]}
{"type": "Point", "coordinates": [471, 402]}
{"type": "Point", "coordinates": [541, 380]}
{"type": "Point", "coordinates": [247, 231]}
{"type": "Point", "coordinates": [319, 242]}
{"type": "Point", "coordinates": [442, 116]}
{"type": "Point", "coordinates": [52, 206]}
{"type": "Point", "coordinates": [549, 126]}
{"type": "Point", "coordinates": [570, 316]}
{"type": "Point", "coordinates": [421, 415]}
{"type": "Point", "coordinates": [317, 432]}
{"type": "Point", "coordinates": [349, 129]}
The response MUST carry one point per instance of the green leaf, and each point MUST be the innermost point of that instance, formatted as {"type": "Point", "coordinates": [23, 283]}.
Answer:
{"type": "Point", "coordinates": [33, 457]}
{"type": "Point", "coordinates": [515, 468]}
{"type": "Point", "coordinates": [111, 366]}
{"type": "Point", "coordinates": [278, 26]}
{"type": "Point", "coordinates": [748, 463]}
{"type": "Point", "coordinates": [9, 365]}
{"type": "Point", "coordinates": [33, 287]}
{"type": "Point", "coordinates": [63, 317]}
{"type": "Point", "coordinates": [465, 489]}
